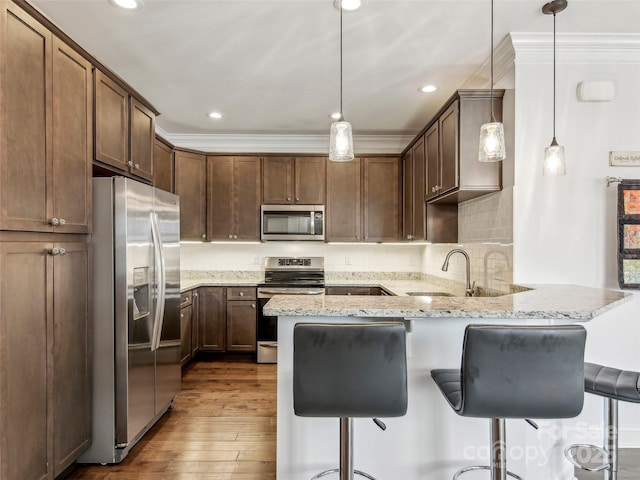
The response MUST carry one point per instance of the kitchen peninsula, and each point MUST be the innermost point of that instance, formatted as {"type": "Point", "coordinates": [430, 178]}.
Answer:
{"type": "Point", "coordinates": [430, 442]}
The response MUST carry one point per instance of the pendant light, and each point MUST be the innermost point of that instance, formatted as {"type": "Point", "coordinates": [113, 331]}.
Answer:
{"type": "Point", "coordinates": [491, 147]}
{"type": "Point", "coordinates": [554, 164]}
{"type": "Point", "coordinates": [340, 138]}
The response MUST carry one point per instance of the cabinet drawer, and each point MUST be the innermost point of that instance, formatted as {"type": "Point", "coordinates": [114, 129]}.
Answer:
{"type": "Point", "coordinates": [186, 298]}
{"type": "Point", "coordinates": [241, 293]}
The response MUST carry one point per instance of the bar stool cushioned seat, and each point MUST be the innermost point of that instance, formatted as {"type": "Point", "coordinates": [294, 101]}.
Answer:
{"type": "Point", "coordinates": [615, 385]}
{"type": "Point", "coordinates": [346, 371]}
{"type": "Point", "coordinates": [515, 372]}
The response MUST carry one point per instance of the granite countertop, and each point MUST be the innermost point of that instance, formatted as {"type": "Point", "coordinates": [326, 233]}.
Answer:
{"type": "Point", "coordinates": [541, 301]}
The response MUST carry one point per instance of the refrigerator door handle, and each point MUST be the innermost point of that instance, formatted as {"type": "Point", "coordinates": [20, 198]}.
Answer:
{"type": "Point", "coordinates": [158, 254]}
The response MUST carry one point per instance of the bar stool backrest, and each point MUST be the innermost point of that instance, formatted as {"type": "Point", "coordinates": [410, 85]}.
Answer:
{"type": "Point", "coordinates": [350, 370]}
{"type": "Point", "coordinates": [523, 371]}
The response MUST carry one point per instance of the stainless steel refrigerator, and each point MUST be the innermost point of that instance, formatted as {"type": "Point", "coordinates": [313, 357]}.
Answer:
{"type": "Point", "coordinates": [136, 333]}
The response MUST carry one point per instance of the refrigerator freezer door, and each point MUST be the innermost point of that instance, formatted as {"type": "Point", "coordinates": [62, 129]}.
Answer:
{"type": "Point", "coordinates": [168, 353]}
{"type": "Point", "coordinates": [135, 298]}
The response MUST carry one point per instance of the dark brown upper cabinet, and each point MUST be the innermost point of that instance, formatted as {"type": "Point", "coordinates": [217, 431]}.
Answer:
{"type": "Point", "coordinates": [454, 173]}
{"type": "Point", "coordinates": [363, 200]}
{"type": "Point", "coordinates": [191, 185]}
{"type": "Point", "coordinates": [233, 198]}
{"type": "Point", "coordinates": [163, 169]}
{"type": "Point", "coordinates": [413, 186]}
{"type": "Point", "coordinates": [125, 129]}
{"type": "Point", "coordinates": [288, 180]}
{"type": "Point", "coordinates": [46, 129]}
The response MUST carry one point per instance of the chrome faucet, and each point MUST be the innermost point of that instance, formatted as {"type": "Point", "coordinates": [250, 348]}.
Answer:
{"type": "Point", "coordinates": [445, 266]}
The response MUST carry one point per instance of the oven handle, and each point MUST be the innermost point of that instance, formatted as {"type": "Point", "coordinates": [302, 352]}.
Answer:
{"type": "Point", "coordinates": [275, 292]}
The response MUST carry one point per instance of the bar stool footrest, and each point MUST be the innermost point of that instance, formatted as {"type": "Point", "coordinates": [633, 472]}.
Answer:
{"type": "Point", "coordinates": [481, 467]}
{"type": "Point", "coordinates": [599, 468]}
{"type": "Point", "coordinates": [337, 470]}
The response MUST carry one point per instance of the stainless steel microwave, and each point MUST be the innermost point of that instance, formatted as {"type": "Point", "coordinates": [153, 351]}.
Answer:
{"type": "Point", "coordinates": [292, 222]}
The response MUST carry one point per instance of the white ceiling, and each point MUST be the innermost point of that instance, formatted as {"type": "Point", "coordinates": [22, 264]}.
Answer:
{"type": "Point", "coordinates": [272, 66]}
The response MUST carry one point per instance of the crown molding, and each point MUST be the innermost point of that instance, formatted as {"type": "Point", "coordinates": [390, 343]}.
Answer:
{"type": "Point", "coordinates": [600, 48]}
{"type": "Point", "coordinates": [255, 143]}
{"type": "Point", "coordinates": [503, 64]}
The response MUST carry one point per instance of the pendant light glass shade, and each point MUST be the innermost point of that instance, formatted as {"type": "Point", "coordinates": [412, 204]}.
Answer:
{"type": "Point", "coordinates": [554, 165]}
{"type": "Point", "coordinates": [341, 142]}
{"type": "Point", "coordinates": [492, 147]}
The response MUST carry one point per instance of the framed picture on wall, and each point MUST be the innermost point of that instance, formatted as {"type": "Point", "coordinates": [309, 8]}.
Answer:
{"type": "Point", "coordinates": [629, 234]}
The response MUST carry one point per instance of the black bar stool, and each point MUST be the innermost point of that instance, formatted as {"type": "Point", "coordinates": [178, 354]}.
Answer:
{"type": "Point", "coordinates": [347, 371]}
{"type": "Point", "coordinates": [614, 385]}
{"type": "Point", "coordinates": [515, 372]}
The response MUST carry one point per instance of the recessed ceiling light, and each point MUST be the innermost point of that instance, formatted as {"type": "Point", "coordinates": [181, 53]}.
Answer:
{"type": "Point", "coordinates": [214, 115]}
{"type": "Point", "coordinates": [347, 5]}
{"type": "Point", "coordinates": [428, 88]}
{"type": "Point", "coordinates": [128, 4]}
{"type": "Point", "coordinates": [336, 116]}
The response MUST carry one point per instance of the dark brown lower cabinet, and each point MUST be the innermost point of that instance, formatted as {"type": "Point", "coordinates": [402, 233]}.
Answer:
{"type": "Point", "coordinates": [45, 357]}
{"type": "Point", "coordinates": [212, 314]}
{"type": "Point", "coordinates": [186, 314]}
{"type": "Point", "coordinates": [241, 326]}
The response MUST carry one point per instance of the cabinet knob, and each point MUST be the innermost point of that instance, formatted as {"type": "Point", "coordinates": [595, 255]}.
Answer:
{"type": "Point", "coordinates": [253, 305]}
{"type": "Point", "coordinates": [357, 237]}
{"type": "Point", "coordinates": [130, 163]}
{"type": "Point", "coordinates": [54, 251]}
{"type": "Point", "coordinates": [348, 293]}
{"type": "Point", "coordinates": [204, 235]}
{"type": "Point", "coordinates": [54, 221]}
{"type": "Point", "coordinates": [297, 199]}
{"type": "Point", "coordinates": [137, 166]}
{"type": "Point", "coordinates": [235, 236]}
{"type": "Point", "coordinates": [242, 294]}
{"type": "Point", "coordinates": [182, 315]}
{"type": "Point", "coordinates": [195, 294]}
{"type": "Point", "coordinates": [62, 251]}
{"type": "Point", "coordinates": [63, 222]}
{"type": "Point", "coordinates": [288, 199]}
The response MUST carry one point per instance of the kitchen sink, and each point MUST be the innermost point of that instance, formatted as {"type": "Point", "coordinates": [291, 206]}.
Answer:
{"type": "Point", "coordinates": [430, 294]}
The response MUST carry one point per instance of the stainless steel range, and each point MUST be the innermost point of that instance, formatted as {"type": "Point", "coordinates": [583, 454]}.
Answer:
{"type": "Point", "coordinates": [284, 276]}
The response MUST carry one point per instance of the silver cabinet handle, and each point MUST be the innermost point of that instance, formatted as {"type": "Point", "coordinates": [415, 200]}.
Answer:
{"type": "Point", "coordinates": [242, 294]}
{"type": "Point", "coordinates": [288, 199]}
{"type": "Point", "coordinates": [130, 163]}
{"type": "Point", "coordinates": [235, 236]}
{"type": "Point", "coordinates": [62, 251]}
{"type": "Point", "coordinates": [297, 199]}
{"type": "Point", "coordinates": [253, 305]}
{"type": "Point", "coordinates": [204, 235]}
{"type": "Point", "coordinates": [54, 221]}
{"type": "Point", "coordinates": [63, 222]}
{"type": "Point", "coordinates": [230, 236]}
{"type": "Point", "coordinates": [54, 251]}
{"type": "Point", "coordinates": [182, 315]}
{"type": "Point", "coordinates": [195, 294]}
{"type": "Point", "coordinates": [137, 166]}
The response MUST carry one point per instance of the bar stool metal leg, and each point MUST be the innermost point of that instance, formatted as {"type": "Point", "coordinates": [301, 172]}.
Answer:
{"type": "Point", "coordinates": [498, 467]}
{"type": "Point", "coordinates": [346, 470]}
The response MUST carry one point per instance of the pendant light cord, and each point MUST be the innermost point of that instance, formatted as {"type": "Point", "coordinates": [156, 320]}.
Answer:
{"type": "Point", "coordinates": [554, 76]}
{"type": "Point", "coordinates": [341, 114]}
{"type": "Point", "coordinates": [493, 118]}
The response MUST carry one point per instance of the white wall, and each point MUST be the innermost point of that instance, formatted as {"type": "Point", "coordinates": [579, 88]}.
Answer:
{"type": "Point", "coordinates": [565, 227]}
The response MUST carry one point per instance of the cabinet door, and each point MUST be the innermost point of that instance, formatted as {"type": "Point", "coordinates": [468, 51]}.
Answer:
{"type": "Point", "coordinates": [72, 139]}
{"type": "Point", "coordinates": [449, 148]}
{"type": "Point", "coordinates": [191, 185]}
{"type": "Point", "coordinates": [310, 180]}
{"type": "Point", "coordinates": [72, 366]}
{"type": "Point", "coordinates": [195, 325]}
{"type": "Point", "coordinates": [143, 130]}
{"type": "Point", "coordinates": [246, 198]}
{"type": "Point", "coordinates": [162, 166]}
{"type": "Point", "coordinates": [241, 326]}
{"type": "Point", "coordinates": [419, 205]}
{"type": "Point", "coordinates": [25, 122]}
{"type": "Point", "coordinates": [381, 199]}
{"type": "Point", "coordinates": [111, 122]}
{"type": "Point", "coordinates": [277, 180]}
{"type": "Point", "coordinates": [212, 318]}
{"type": "Point", "coordinates": [185, 333]}
{"type": "Point", "coordinates": [432, 161]}
{"type": "Point", "coordinates": [407, 196]}
{"type": "Point", "coordinates": [220, 198]}
{"type": "Point", "coordinates": [343, 201]}
{"type": "Point", "coordinates": [26, 310]}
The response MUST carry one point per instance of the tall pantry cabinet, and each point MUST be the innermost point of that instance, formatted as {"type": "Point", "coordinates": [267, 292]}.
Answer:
{"type": "Point", "coordinates": [46, 143]}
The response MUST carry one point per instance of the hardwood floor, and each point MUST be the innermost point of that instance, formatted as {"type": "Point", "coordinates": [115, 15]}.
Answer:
{"type": "Point", "coordinates": [222, 427]}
